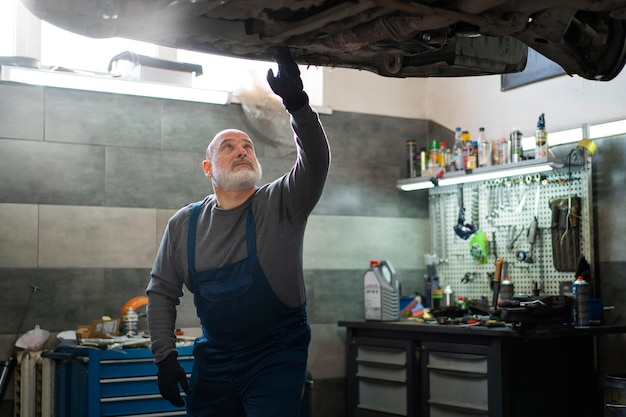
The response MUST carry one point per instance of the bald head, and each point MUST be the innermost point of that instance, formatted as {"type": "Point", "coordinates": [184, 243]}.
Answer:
{"type": "Point", "coordinates": [231, 162]}
{"type": "Point", "coordinates": [225, 135]}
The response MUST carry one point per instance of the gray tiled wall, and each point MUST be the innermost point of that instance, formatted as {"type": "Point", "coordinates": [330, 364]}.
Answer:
{"type": "Point", "coordinates": [89, 181]}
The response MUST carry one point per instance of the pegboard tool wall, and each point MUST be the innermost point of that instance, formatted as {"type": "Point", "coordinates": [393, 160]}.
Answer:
{"type": "Point", "coordinates": [504, 209]}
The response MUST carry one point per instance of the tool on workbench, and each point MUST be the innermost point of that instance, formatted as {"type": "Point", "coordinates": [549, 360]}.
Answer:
{"type": "Point", "coordinates": [462, 229]}
{"type": "Point", "coordinates": [497, 276]}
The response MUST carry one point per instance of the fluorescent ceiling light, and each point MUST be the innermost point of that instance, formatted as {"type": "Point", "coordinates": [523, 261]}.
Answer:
{"type": "Point", "coordinates": [483, 176]}
{"type": "Point", "coordinates": [480, 174]}
{"type": "Point", "coordinates": [603, 130]}
{"type": "Point", "coordinates": [414, 184]}
{"type": "Point", "coordinates": [78, 81]}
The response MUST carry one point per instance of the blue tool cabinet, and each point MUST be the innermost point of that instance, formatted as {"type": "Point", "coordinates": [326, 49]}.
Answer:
{"type": "Point", "coordinates": [94, 382]}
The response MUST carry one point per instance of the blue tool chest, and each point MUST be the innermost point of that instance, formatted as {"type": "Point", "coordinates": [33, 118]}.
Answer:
{"type": "Point", "coordinates": [95, 382]}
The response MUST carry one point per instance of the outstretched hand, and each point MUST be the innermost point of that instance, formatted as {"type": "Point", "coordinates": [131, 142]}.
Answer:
{"type": "Point", "coordinates": [287, 83]}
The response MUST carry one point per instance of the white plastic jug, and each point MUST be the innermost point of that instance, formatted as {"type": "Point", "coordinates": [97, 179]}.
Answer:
{"type": "Point", "coordinates": [382, 292]}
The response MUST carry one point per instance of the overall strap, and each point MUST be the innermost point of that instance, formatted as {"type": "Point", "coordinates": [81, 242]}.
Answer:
{"type": "Point", "coordinates": [250, 233]}
{"type": "Point", "coordinates": [191, 236]}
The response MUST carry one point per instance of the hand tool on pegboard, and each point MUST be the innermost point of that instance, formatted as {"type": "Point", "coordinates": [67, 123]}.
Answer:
{"type": "Point", "coordinates": [497, 277]}
{"type": "Point", "coordinates": [565, 230]}
{"type": "Point", "coordinates": [462, 229]}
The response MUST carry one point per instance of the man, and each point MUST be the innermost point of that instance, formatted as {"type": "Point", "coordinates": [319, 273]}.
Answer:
{"type": "Point", "coordinates": [240, 252]}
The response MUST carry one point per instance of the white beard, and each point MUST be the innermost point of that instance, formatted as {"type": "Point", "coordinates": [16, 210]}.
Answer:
{"type": "Point", "coordinates": [239, 180]}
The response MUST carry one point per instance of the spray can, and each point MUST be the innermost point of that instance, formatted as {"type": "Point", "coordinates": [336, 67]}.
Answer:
{"type": "Point", "coordinates": [131, 320]}
{"type": "Point", "coordinates": [506, 289]}
{"type": "Point", "coordinates": [382, 293]}
{"type": "Point", "coordinates": [581, 305]}
{"type": "Point", "coordinates": [515, 138]}
{"type": "Point", "coordinates": [541, 138]}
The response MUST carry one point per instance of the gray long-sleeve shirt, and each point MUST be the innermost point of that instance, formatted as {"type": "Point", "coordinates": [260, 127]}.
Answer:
{"type": "Point", "coordinates": [280, 209]}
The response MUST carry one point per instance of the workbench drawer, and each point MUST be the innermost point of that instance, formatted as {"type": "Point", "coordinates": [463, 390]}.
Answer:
{"type": "Point", "coordinates": [436, 411]}
{"type": "Point", "coordinates": [460, 390]}
{"type": "Point", "coordinates": [460, 362]}
{"type": "Point", "coordinates": [386, 373]}
{"type": "Point", "coordinates": [386, 397]}
{"type": "Point", "coordinates": [383, 355]}
{"type": "Point", "coordinates": [457, 383]}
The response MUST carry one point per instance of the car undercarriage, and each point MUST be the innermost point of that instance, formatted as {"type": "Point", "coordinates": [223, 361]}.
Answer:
{"type": "Point", "coordinates": [393, 38]}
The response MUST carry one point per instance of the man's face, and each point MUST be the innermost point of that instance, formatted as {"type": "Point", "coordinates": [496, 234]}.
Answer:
{"type": "Point", "coordinates": [231, 161]}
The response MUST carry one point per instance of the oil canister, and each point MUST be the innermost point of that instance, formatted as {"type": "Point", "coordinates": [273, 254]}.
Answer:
{"type": "Point", "coordinates": [382, 292]}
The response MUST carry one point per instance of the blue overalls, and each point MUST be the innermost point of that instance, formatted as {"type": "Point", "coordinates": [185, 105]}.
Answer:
{"type": "Point", "coordinates": [251, 358]}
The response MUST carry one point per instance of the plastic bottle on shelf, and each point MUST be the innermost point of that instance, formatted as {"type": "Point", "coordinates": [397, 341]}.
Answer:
{"type": "Point", "coordinates": [474, 156]}
{"type": "Point", "coordinates": [484, 149]}
{"type": "Point", "coordinates": [502, 150]}
{"type": "Point", "coordinates": [468, 151]}
{"type": "Point", "coordinates": [442, 154]}
{"type": "Point", "coordinates": [433, 154]}
{"type": "Point", "coordinates": [449, 160]}
{"type": "Point", "coordinates": [458, 150]}
{"type": "Point", "coordinates": [422, 161]}
{"type": "Point", "coordinates": [541, 138]}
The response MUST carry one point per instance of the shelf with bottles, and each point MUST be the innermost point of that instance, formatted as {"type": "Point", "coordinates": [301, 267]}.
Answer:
{"type": "Point", "coordinates": [439, 177]}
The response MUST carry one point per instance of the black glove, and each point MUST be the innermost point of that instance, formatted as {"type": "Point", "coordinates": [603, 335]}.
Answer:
{"type": "Point", "coordinates": [170, 374]}
{"type": "Point", "coordinates": [287, 83]}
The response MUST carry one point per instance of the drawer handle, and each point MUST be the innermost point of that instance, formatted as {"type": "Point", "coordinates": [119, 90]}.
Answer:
{"type": "Point", "coordinates": [451, 372]}
{"type": "Point", "coordinates": [134, 398]}
{"type": "Point", "coordinates": [464, 408]}
{"type": "Point", "coordinates": [383, 364]}
{"type": "Point", "coordinates": [454, 355]}
{"type": "Point", "coordinates": [381, 381]}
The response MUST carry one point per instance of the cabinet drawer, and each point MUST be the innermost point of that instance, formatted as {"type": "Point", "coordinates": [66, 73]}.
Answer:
{"type": "Point", "coordinates": [136, 367]}
{"type": "Point", "coordinates": [386, 397]}
{"type": "Point", "coordinates": [389, 356]}
{"type": "Point", "coordinates": [436, 411]}
{"type": "Point", "coordinates": [460, 362]}
{"type": "Point", "coordinates": [136, 405]}
{"type": "Point", "coordinates": [387, 373]}
{"type": "Point", "coordinates": [458, 389]}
